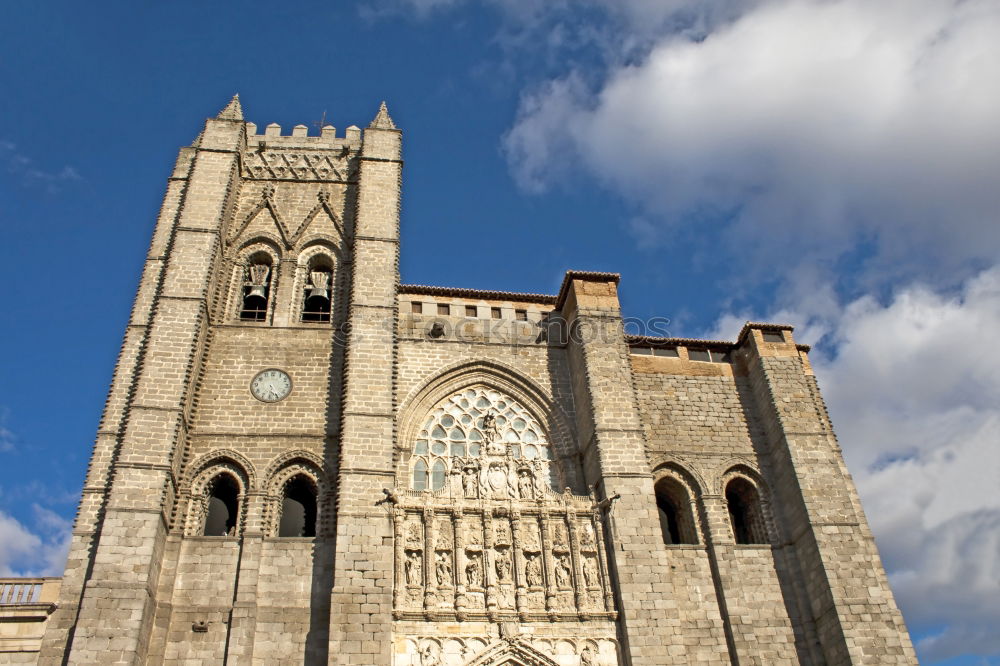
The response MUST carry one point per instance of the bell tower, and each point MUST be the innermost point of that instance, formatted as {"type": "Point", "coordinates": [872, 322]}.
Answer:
{"type": "Point", "coordinates": [303, 461]}
{"type": "Point", "coordinates": [206, 528]}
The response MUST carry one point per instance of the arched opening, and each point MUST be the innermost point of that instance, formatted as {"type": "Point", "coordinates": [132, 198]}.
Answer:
{"type": "Point", "coordinates": [472, 425]}
{"type": "Point", "coordinates": [298, 508]}
{"type": "Point", "coordinates": [420, 475]}
{"type": "Point", "coordinates": [317, 301]}
{"type": "Point", "coordinates": [673, 504]}
{"type": "Point", "coordinates": [745, 513]}
{"type": "Point", "coordinates": [256, 287]}
{"type": "Point", "coordinates": [437, 476]}
{"type": "Point", "coordinates": [223, 506]}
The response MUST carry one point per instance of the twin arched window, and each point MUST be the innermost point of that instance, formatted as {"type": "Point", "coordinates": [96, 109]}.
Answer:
{"type": "Point", "coordinates": [297, 508]}
{"type": "Point", "coordinates": [677, 521]}
{"type": "Point", "coordinates": [258, 284]}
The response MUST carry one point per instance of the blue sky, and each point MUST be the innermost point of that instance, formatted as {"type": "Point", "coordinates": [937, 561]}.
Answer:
{"type": "Point", "coordinates": [834, 164]}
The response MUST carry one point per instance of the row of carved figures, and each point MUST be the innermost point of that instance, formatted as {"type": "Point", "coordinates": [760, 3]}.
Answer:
{"type": "Point", "coordinates": [447, 559]}
{"type": "Point", "coordinates": [502, 563]}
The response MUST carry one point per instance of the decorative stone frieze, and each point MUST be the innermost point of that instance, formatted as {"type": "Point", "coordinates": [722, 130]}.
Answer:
{"type": "Point", "coordinates": [498, 555]}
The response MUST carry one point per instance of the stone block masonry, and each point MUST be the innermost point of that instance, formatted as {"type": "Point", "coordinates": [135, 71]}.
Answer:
{"type": "Point", "coordinates": [437, 476]}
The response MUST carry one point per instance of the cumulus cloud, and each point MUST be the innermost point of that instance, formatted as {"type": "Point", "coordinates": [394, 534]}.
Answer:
{"type": "Point", "coordinates": [913, 388]}
{"type": "Point", "coordinates": [34, 552]}
{"type": "Point", "coordinates": [798, 131]}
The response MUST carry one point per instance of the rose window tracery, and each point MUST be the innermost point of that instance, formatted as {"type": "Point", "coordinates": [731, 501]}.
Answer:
{"type": "Point", "coordinates": [472, 425]}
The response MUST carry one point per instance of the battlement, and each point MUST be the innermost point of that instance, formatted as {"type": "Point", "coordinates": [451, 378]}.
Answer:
{"type": "Point", "coordinates": [300, 138]}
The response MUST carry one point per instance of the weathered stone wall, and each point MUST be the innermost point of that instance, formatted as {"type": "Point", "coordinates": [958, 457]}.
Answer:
{"type": "Point", "coordinates": [143, 585]}
{"type": "Point", "coordinates": [203, 592]}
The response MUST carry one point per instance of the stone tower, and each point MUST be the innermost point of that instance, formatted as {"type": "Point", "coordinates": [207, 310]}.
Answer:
{"type": "Point", "coordinates": [303, 461]}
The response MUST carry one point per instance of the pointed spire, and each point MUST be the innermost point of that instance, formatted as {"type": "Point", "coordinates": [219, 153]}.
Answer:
{"type": "Point", "coordinates": [382, 119]}
{"type": "Point", "coordinates": [233, 110]}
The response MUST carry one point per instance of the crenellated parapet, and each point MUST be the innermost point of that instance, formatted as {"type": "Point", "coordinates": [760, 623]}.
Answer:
{"type": "Point", "coordinates": [300, 157]}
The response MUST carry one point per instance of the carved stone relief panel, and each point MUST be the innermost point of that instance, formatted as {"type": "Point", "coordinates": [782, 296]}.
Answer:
{"type": "Point", "coordinates": [295, 165]}
{"type": "Point", "coordinates": [483, 535]}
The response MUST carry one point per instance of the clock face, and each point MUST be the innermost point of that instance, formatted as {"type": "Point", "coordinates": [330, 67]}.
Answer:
{"type": "Point", "coordinates": [271, 385]}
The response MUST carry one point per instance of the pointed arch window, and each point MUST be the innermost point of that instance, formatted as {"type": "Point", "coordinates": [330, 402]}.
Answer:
{"type": "Point", "coordinates": [465, 424]}
{"type": "Point", "coordinates": [298, 508]}
{"type": "Point", "coordinates": [317, 300]}
{"type": "Point", "coordinates": [223, 507]}
{"type": "Point", "coordinates": [420, 474]}
{"type": "Point", "coordinates": [745, 513]}
{"type": "Point", "coordinates": [256, 287]}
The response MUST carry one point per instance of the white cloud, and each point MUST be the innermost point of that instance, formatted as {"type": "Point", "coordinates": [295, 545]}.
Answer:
{"type": "Point", "coordinates": [7, 437]}
{"type": "Point", "coordinates": [799, 130]}
{"type": "Point", "coordinates": [42, 552]}
{"type": "Point", "coordinates": [23, 168]}
{"type": "Point", "coordinates": [913, 387]}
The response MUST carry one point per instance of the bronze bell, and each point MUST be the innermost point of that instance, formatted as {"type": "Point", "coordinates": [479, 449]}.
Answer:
{"type": "Point", "coordinates": [319, 285]}
{"type": "Point", "coordinates": [258, 280]}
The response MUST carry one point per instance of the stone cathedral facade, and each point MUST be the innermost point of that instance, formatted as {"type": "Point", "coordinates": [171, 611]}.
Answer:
{"type": "Point", "coordinates": [303, 460]}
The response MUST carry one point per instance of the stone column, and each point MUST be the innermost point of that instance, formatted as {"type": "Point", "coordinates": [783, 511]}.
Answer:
{"type": "Point", "coordinates": [430, 540]}
{"type": "Point", "coordinates": [548, 567]}
{"type": "Point", "coordinates": [517, 564]}
{"type": "Point", "coordinates": [458, 564]}
{"type": "Point", "coordinates": [87, 528]}
{"type": "Point", "coordinates": [817, 506]}
{"type": "Point", "coordinates": [361, 599]}
{"type": "Point", "coordinates": [612, 443]}
{"type": "Point", "coordinates": [609, 601]}
{"type": "Point", "coordinates": [580, 588]}
{"type": "Point", "coordinates": [140, 465]}
{"type": "Point", "coordinates": [489, 562]}
{"type": "Point", "coordinates": [243, 618]}
{"type": "Point", "coordinates": [399, 588]}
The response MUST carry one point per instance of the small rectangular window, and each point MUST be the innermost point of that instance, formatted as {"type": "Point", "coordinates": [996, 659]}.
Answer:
{"type": "Point", "coordinates": [496, 313]}
{"type": "Point", "coordinates": [471, 311]}
{"type": "Point", "coordinates": [670, 352]}
{"type": "Point", "coordinates": [521, 315]}
{"type": "Point", "coordinates": [721, 356]}
{"type": "Point", "coordinates": [773, 336]}
{"type": "Point", "coordinates": [699, 355]}
{"type": "Point", "coordinates": [416, 307]}
{"type": "Point", "coordinates": [643, 351]}
{"type": "Point", "coordinates": [444, 309]}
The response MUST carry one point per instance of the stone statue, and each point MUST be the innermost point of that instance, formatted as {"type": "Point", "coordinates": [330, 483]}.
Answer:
{"type": "Point", "coordinates": [430, 655]}
{"type": "Point", "coordinates": [491, 433]}
{"type": "Point", "coordinates": [588, 657]}
{"type": "Point", "coordinates": [473, 572]}
{"type": "Point", "coordinates": [412, 568]}
{"type": "Point", "coordinates": [590, 572]}
{"type": "Point", "coordinates": [526, 485]}
{"type": "Point", "coordinates": [500, 532]}
{"type": "Point", "coordinates": [503, 566]}
{"type": "Point", "coordinates": [443, 569]}
{"type": "Point", "coordinates": [562, 571]}
{"type": "Point", "coordinates": [587, 536]}
{"type": "Point", "coordinates": [470, 483]}
{"type": "Point", "coordinates": [559, 535]}
{"type": "Point", "coordinates": [414, 533]}
{"type": "Point", "coordinates": [533, 571]}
